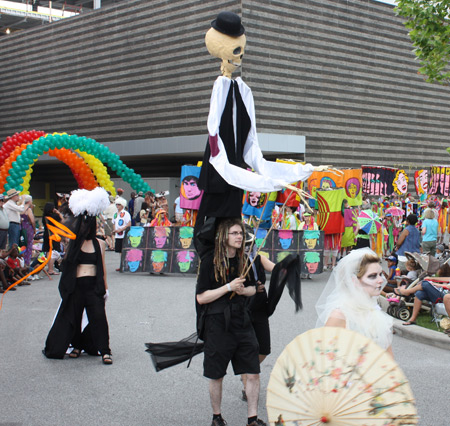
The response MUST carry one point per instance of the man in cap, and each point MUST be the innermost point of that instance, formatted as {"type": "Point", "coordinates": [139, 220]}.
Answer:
{"type": "Point", "coordinates": [121, 222]}
{"type": "Point", "coordinates": [4, 224]}
{"type": "Point", "coordinates": [13, 210]}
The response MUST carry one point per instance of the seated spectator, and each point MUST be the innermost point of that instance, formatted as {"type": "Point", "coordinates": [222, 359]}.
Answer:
{"type": "Point", "coordinates": [13, 261]}
{"type": "Point", "coordinates": [390, 275]}
{"type": "Point", "coordinates": [429, 289]}
{"type": "Point", "coordinates": [440, 248]}
{"type": "Point", "coordinates": [411, 267]}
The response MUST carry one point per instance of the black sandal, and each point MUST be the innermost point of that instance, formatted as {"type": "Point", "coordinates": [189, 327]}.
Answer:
{"type": "Point", "coordinates": [397, 291]}
{"type": "Point", "coordinates": [75, 353]}
{"type": "Point", "coordinates": [107, 359]}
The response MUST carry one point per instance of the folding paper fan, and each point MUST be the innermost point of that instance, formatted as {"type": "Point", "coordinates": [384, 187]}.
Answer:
{"type": "Point", "coordinates": [338, 377]}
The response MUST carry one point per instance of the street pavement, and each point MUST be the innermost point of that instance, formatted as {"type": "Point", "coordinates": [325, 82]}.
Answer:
{"type": "Point", "coordinates": [142, 308]}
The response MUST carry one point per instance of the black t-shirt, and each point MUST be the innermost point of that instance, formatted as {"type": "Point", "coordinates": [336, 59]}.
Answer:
{"type": "Point", "coordinates": [207, 281]}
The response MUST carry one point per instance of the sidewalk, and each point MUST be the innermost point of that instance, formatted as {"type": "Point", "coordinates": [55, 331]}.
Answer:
{"type": "Point", "coordinates": [422, 335]}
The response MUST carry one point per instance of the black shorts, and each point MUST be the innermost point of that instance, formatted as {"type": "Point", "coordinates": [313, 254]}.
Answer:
{"type": "Point", "coordinates": [260, 323]}
{"type": "Point", "coordinates": [118, 245]}
{"type": "Point", "coordinates": [238, 345]}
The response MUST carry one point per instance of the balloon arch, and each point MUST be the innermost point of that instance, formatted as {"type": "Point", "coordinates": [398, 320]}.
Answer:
{"type": "Point", "coordinates": [86, 158]}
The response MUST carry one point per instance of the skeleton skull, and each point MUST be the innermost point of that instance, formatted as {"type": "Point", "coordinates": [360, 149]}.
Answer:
{"type": "Point", "coordinates": [226, 40]}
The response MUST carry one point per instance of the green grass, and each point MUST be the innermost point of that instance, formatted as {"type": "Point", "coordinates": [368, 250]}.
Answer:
{"type": "Point", "coordinates": [424, 320]}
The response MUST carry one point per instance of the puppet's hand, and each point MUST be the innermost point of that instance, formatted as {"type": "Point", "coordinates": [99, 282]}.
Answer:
{"type": "Point", "coordinates": [330, 169]}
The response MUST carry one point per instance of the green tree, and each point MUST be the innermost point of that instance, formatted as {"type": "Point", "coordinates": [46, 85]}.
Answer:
{"type": "Point", "coordinates": [428, 22]}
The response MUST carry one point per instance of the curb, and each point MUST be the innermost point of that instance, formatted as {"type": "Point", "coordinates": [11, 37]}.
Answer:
{"type": "Point", "coordinates": [422, 335]}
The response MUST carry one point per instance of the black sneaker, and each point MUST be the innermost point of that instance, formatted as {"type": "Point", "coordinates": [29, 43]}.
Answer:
{"type": "Point", "coordinates": [257, 422]}
{"type": "Point", "coordinates": [219, 422]}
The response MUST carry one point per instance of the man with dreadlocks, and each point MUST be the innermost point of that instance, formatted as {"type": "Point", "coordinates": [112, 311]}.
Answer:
{"type": "Point", "coordinates": [228, 332]}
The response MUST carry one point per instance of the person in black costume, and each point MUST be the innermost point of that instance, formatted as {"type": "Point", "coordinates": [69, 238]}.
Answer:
{"type": "Point", "coordinates": [259, 303]}
{"type": "Point", "coordinates": [51, 211]}
{"type": "Point", "coordinates": [83, 285]}
{"type": "Point", "coordinates": [228, 332]}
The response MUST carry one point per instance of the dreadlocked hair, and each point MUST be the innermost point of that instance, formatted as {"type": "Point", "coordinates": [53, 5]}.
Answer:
{"type": "Point", "coordinates": [221, 263]}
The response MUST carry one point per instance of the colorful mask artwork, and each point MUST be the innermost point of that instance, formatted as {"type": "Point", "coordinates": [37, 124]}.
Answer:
{"type": "Point", "coordinates": [133, 259]}
{"type": "Point", "coordinates": [260, 238]}
{"type": "Point", "coordinates": [400, 182]}
{"type": "Point", "coordinates": [190, 193]}
{"type": "Point", "coordinates": [440, 181]}
{"type": "Point", "coordinates": [421, 182]}
{"type": "Point", "coordinates": [159, 260]}
{"type": "Point", "coordinates": [285, 238]}
{"type": "Point", "coordinates": [184, 260]}
{"type": "Point", "coordinates": [312, 261]}
{"type": "Point", "coordinates": [310, 238]}
{"type": "Point", "coordinates": [135, 234]}
{"type": "Point", "coordinates": [160, 235]}
{"type": "Point", "coordinates": [186, 234]}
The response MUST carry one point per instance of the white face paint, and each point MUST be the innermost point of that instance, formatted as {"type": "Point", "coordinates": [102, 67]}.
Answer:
{"type": "Point", "coordinates": [373, 280]}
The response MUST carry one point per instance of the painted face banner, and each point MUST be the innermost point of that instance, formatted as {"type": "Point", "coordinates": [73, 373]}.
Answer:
{"type": "Point", "coordinates": [330, 218]}
{"type": "Point", "coordinates": [350, 180]}
{"type": "Point", "coordinates": [190, 193]}
{"type": "Point", "coordinates": [440, 181]}
{"type": "Point", "coordinates": [421, 182]}
{"type": "Point", "coordinates": [400, 182]}
{"type": "Point", "coordinates": [353, 186]}
{"type": "Point", "coordinates": [378, 180]}
{"type": "Point", "coordinates": [254, 203]}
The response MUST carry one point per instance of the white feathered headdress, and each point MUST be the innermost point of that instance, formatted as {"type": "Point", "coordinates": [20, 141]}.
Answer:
{"type": "Point", "coordinates": [92, 202]}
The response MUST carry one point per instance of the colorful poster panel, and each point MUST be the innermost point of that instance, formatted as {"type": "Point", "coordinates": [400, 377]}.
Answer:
{"type": "Point", "coordinates": [262, 240]}
{"type": "Point", "coordinates": [378, 180]}
{"type": "Point", "coordinates": [160, 237]}
{"type": "Point", "coordinates": [353, 186]}
{"type": "Point", "coordinates": [259, 204]}
{"type": "Point", "coordinates": [285, 239]}
{"type": "Point", "coordinates": [311, 240]}
{"type": "Point", "coordinates": [136, 237]}
{"type": "Point", "coordinates": [190, 193]}
{"type": "Point", "coordinates": [311, 262]}
{"type": "Point", "coordinates": [440, 180]}
{"type": "Point", "coordinates": [158, 261]}
{"type": "Point", "coordinates": [400, 182]}
{"type": "Point", "coordinates": [184, 262]}
{"type": "Point", "coordinates": [279, 255]}
{"type": "Point", "coordinates": [330, 218]}
{"type": "Point", "coordinates": [183, 237]}
{"type": "Point", "coordinates": [133, 260]}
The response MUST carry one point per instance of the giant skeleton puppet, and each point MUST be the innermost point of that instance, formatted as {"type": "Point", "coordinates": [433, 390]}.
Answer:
{"type": "Point", "coordinates": [233, 141]}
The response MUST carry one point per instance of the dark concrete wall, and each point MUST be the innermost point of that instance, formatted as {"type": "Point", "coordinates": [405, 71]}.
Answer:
{"type": "Point", "coordinates": [340, 72]}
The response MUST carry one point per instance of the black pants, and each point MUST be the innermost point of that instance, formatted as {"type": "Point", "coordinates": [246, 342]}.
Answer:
{"type": "Point", "coordinates": [86, 298]}
{"type": "Point", "coordinates": [66, 328]}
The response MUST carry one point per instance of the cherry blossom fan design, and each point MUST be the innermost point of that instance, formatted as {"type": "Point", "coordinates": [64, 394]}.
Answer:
{"type": "Point", "coordinates": [337, 377]}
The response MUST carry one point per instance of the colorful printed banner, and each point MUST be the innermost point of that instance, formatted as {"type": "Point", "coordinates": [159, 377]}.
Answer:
{"type": "Point", "coordinates": [351, 181]}
{"type": "Point", "coordinates": [378, 180]}
{"type": "Point", "coordinates": [421, 183]}
{"type": "Point", "coordinates": [440, 180]}
{"type": "Point", "coordinates": [400, 182]}
{"type": "Point", "coordinates": [171, 249]}
{"type": "Point", "coordinates": [190, 193]}
{"type": "Point", "coordinates": [330, 218]}
{"type": "Point", "coordinates": [257, 202]}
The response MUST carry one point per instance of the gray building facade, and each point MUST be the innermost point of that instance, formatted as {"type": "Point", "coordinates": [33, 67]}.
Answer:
{"type": "Point", "coordinates": [334, 81]}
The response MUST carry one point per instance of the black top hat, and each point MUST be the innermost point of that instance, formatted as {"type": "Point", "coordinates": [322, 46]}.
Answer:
{"type": "Point", "coordinates": [228, 23]}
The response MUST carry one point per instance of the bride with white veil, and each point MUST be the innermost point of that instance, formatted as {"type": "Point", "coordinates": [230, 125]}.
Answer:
{"type": "Point", "coordinates": [349, 299]}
